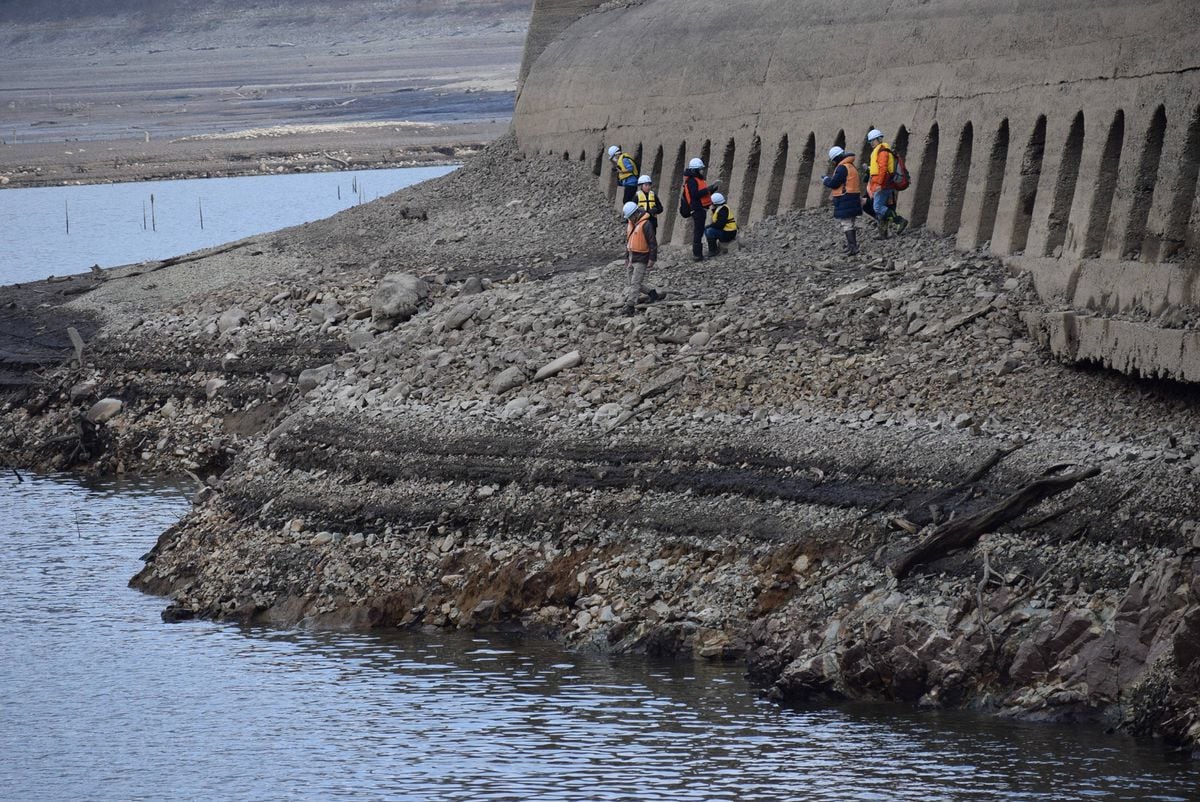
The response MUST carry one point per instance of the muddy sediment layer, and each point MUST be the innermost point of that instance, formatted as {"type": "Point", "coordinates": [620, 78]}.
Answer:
{"type": "Point", "coordinates": [380, 439]}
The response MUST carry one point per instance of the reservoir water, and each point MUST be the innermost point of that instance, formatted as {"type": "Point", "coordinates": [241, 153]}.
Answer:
{"type": "Point", "coordinates": [64, 230]}
{"type": "Point", "coordinates": [99, 700]}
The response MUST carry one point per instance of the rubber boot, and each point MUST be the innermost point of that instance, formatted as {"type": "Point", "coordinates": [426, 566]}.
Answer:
{"type": "Point", "coordinates": [883, 229]}
{"type": "Point", "coordinates": [713, 247]}
{"type": "Point", "coordinates": [852, 242]}
{"type": "Point", "coordinates": [901, 223]}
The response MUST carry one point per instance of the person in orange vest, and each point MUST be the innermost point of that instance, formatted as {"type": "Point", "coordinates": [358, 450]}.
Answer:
{"type": "Point", "coordinates": [641, 252]}
{"type": "Point", "coordinates": [879, 188]}
{"type": "Point", "coordinates": [846, 193]}
{"type": "Point", "coordinates": [626, 170]}
{"type": "Point", "coordinates": [694, 202]}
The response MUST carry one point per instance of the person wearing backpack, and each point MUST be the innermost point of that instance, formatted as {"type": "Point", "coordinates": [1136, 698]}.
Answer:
{"type": "Point", "coordinates": [722, 228]}
{"type": "Point", "coordinates": [846, 186]}
{"type": "Point", "coordinates": [694, 202]}
{"type": "Point", "coordinates": [626, 170]}
{"type": "Point", "coordinates": [887, 174]}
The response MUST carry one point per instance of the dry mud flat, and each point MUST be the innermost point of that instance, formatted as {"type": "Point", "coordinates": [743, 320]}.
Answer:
{"type": "Point", "coordinates": [130, 90]}
{"type": "Point", "coordinates": [425, 411]}
{"type": "Point", "coordinates": [279, 149]}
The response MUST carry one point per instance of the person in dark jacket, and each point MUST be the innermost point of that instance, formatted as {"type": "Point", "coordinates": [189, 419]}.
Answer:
{"type": "Point", "coordinates": [722, 228]}
{"type": "Point", "coordinates": [694, 202]}
{"type": "Point", "coordinates": [846, 186]}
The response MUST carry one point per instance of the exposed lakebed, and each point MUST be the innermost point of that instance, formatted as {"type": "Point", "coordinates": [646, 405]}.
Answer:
{"type": "Point", "coordinates": [100, 700]}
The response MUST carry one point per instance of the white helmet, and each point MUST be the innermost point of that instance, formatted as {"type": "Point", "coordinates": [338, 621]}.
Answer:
{"type": "Point", "coordinates": [628, 209]}
{"type": "Point", "coordinates": [614, 150]}
{"type": "Point", "coordinates": [718, 198]}
{"type": "Point", "coordinates": [645, 179]}
{"type": "Point", "coordinates": [836, 153]}
{"type": "Point", "coordinates": [696, 164]}
{"type": "Point", "coordinates": [874, 134]}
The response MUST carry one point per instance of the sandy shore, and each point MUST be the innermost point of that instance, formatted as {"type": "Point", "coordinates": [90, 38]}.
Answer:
{"type": "Point", "coordinates": [285, 150]}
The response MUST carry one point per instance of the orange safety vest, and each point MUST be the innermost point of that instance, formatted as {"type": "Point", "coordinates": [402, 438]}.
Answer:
{"type": "Point", "coordinates": [853, 183]}
{"type": "Point", "coordinates": [705, 195]}
{"type": "Point", "coordinates": [635, 235]}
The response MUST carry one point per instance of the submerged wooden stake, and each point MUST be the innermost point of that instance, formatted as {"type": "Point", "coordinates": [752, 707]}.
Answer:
{"type": "Point", "coordinates": [67, 216]}
{"type": "Point", "coordinates": [153, 217]}
{"type": "Point", "coordinates": [200, 205]}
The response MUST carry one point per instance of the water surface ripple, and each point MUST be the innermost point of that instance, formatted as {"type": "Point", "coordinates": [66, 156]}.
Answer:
{"type": "Point", "coordinates": [101, 701]}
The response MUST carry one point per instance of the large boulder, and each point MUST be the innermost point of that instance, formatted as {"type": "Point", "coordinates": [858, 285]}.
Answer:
{"type": "Point", "coordinates": [398, 298]}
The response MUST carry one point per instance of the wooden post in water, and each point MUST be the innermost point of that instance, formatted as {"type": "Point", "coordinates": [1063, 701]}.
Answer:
{"type": "Point", "coordinates": [339, 191]}
{"type": "Point", "coordinates": [143, 215]}
{"type": "Point", "coordinates": [67, 216]}
{"type": "Point", "coordinates": [153, 217]}
{"type": "Point", "coordinates": [200, 204]}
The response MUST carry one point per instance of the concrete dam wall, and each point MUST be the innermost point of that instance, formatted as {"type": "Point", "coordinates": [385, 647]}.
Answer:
{"type": "Point", "coordinates": [1064, 135]}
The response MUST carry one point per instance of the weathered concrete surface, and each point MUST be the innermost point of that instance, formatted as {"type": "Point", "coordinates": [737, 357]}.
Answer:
{"type": "Point", "coordinates": [1064, 135]}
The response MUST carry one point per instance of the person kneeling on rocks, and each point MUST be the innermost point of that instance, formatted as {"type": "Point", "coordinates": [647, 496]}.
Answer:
{"type": "Point", "coordinates": [722, 227]}
{"type": "Point", "coordinates": [846, 194]}
{"type": "Point", "coordinates": [641, 252]}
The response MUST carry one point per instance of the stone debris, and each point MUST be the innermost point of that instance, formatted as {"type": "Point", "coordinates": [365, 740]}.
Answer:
{"type": "Point", "coordinates": [402, 429]}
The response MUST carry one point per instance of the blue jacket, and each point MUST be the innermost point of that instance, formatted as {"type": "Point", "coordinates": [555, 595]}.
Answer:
{"type": "Point", "coordinates": [848, 204]}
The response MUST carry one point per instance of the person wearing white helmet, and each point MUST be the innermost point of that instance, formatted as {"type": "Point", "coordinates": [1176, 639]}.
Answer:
{"type": "Point", "coordinates": [846, 193]}
{"type": "Point", "coordinates": [881, 188]}
{"type": "Point", "coordinates": [626, 171]}
{"type": "Point", "coordinates": [648, 200]}
{"type": "Point", "coordinates": [694, 201]}
{"type": "Point", "coordinates": [722, 228]}
{"type": "Point", "coordinates": [641, 252]}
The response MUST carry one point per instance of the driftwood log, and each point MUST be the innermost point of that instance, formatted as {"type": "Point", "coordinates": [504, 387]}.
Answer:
{"type": "Point", "coordinates": [963, 532]}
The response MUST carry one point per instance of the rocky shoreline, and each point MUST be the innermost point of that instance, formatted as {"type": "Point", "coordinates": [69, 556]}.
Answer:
{"type": "Point", "coordinates": [425, 411]}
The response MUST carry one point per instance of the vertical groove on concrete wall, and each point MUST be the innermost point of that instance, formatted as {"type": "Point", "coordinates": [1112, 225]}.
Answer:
{"type": "Point", "coordinates": [1185, 191]}
{"type": "Point", "coordinates": [598, 164]}
{"type": "Point", "coordinates": [583, 155]}
{"type": "Point", "coordinates": [924, 188]}
{"type": "Point", "coordinates": [1064, 191]}
{"type": "Point", "coordinates": [901, 143]}
{"type": "Point", "coordinates": [1143, 185]}
{"type": "Point", "coordinates": [808, 158]}
{"type": "Point", "coordinates": [706, 155]}
{"type": "Point", "coordinates": [637, 159]}
{"type": "Point", "coordinates": [840, 141]}
{"type": "Point", "coordinates": [673, 186]}
{"type": "Point", "coordinates": [656, 169]}
{"type": "Point", "coordinates": [1106, 187]}
{"type": "Point", "coordinates": [994, 186]}
{"type": "Point", "coordinates": [726, 174]}
{"type": "Point", "coordinates": [775, 188]}
{"type": "Point", "coordinates": [750, 181]}
{"type": "Point", "coordinates": [1031, 174]}
{"type": "Point", "coordinates": [959, 176]}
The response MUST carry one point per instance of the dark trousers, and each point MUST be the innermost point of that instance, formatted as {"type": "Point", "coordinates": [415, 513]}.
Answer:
{"type": "Point", "coordinates": [630, 194]}
{"type": "Point", "coordinates": [698, 234]}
